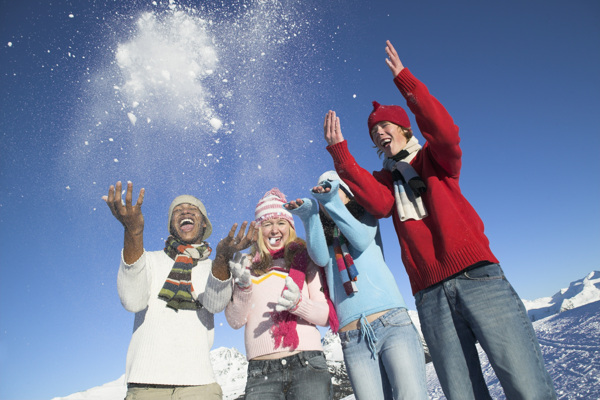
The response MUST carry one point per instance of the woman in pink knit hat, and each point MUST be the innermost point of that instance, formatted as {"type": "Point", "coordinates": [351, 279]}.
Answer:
{"type": "Point", "coordinates": [278, 298]}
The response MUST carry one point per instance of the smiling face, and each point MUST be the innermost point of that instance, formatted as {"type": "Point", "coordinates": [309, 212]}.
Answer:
{"type": "Point", "coordinates": [187, 223]}
{"type": "Point", "coordinates": [388, 137]}
{"type": "Point", "coordinates": [275, 233]}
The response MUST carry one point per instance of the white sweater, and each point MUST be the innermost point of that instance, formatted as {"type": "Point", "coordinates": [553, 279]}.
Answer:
{"type": "Point", "coordinates": [169, 347]}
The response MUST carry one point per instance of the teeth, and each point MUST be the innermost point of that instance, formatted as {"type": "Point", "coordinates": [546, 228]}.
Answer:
{"type": "Point", "coordinates": [273, 240]}
{"type": "Point", "coordinates": [185, 221]}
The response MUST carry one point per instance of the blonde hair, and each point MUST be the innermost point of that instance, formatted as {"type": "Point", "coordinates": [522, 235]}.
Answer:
{"type": "Point", "coordinates": [262, 266]}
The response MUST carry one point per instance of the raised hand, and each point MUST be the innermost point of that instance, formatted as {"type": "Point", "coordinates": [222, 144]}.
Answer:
{"type": "Point", "coordinates": [231, 244]}
{"type": "Point", "coordinates": [128, 214]}
{"type": "Point", "coordinates": [290, 297]}
{"type": "Point", "coordinates": [294, 204]}
{"type": "Point", "coordinates": [393, 61]}
{"type": "Point", "coordinates": [332, 129]}
{"type": "Point", "coordinates": [131, 217]}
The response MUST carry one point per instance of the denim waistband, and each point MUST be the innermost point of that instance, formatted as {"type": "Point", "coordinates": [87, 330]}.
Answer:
{"type": "Point", "coordinates": [285, 362]}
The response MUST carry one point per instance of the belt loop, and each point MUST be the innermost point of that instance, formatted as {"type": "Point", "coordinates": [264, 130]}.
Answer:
{"type": "Point", "coordinates": [265, 368]}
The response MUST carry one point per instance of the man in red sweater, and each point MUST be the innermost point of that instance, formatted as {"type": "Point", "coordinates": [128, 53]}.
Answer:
{"type": "Point", "coordinates": [461, 293]}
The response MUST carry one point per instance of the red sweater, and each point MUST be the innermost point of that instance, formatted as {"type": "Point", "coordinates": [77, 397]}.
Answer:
{"type": "Point", "coordinates": [451, 237]}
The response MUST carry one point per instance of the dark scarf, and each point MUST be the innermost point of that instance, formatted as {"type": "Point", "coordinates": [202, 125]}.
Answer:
{"type": "Point", "coordinates": [177, 290]}
{"type": "Point", "coordinates": [416, 184]}
{"type": "Point", "coordinates": [355, 209]}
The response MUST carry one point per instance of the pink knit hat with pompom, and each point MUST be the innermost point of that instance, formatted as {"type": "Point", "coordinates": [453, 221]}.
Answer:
{"type": "Point", "coordinates": [271, 206]}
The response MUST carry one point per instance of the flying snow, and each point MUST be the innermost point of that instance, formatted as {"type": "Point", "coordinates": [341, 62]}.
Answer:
{"type": "Point", "coordinates": [165, 67]}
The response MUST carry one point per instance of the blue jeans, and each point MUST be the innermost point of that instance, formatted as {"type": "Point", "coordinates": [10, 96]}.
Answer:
{"type": "Point", "coordinates": [303, 376]}
{"type": "Point", "coordinates": [395, 369]}
{"type": "Point", "coordinates": [480, 305]}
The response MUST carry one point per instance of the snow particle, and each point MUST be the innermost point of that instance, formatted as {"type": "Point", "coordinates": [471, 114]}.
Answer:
{"type": "Point", "coordinates": [132, 118]}
{"type": "Point", "coordinates": [216, 123]}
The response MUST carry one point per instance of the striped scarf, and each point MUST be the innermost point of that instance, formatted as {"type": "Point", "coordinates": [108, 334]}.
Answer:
{"type": "Point", "coordinates": [408, 185]}
{"type": "Point", "coordinates": [178, 290]}
{"type": "Point", "coordinates": [345, 263]}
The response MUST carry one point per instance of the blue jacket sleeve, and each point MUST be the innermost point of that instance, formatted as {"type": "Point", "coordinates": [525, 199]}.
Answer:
{"type": "Point", "coordinates": [315, 237]}
{"type": "Point", "coordinates": [360, 234]}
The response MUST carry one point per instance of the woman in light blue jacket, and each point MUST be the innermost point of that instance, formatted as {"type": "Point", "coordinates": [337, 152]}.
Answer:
{"type": "Point", "coordinates": [382, 350]}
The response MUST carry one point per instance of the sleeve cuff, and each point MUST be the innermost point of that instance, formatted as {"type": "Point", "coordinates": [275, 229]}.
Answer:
{"type": "Point", "coordinates": [405, 81]}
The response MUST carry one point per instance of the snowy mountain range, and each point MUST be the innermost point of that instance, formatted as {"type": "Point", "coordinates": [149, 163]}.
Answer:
{"type": "Point", "coordinates": [567, 326]}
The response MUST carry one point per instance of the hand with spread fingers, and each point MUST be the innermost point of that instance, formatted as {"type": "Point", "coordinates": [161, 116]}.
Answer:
{"type": "Point", "coordinates": [130, 216]}
{"type": "Point", "coordinates": [231, 244]}
{"type": "Point", "coordinates": [290, 297]}
{"type": "Point", "coordinates": [239, 267]}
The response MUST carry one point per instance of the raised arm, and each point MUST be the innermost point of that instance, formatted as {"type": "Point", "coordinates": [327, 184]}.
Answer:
{"type": "Point", "coordinates": [373, 195]}
{"type": "Point", "coordinates": [130, 216]}
{"type": "Point", "coordinates": [434, 121]}
{"type": "Point", "coordinates": [308, 211]}
{"type": "Point", "coordinates": [360, 235]}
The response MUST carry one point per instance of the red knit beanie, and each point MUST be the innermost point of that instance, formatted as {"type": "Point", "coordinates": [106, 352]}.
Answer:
{"type": "Point", "coordinates": [395, 114]}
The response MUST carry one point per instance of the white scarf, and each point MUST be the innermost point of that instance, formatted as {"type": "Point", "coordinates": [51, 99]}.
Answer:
{"type": "Point", "coordinates": [408, 205]}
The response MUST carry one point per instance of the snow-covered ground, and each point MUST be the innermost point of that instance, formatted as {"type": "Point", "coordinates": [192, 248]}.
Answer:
{"type": "Point", "coordinates": [567, 326]}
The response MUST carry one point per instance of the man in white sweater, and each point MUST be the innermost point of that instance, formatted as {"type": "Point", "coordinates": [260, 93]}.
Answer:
{"type": "Point", "coordinates": [174, 294]}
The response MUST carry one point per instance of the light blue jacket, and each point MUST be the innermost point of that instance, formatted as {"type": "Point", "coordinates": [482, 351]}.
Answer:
{"type": "Point", "coordinates": [377, 289]}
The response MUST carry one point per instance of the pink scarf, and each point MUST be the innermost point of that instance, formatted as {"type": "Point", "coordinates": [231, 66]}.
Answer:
{"type": "Point", "coordinates": [284, 323]}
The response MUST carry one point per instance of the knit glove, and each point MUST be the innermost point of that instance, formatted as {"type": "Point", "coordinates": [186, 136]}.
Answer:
{"type": "Point", "coordinates": [239, 268]}
{"type": "Point", "coordinates": [290, 297]}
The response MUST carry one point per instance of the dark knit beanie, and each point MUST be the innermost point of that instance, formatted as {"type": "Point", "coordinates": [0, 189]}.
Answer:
{"type": "Point", "coordinates": [395, 114]}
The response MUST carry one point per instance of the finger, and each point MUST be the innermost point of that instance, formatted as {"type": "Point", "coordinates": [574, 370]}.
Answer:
{"type": "Point", "coordinates": [242, 231]}
{"type": "Point", "coordinates": [291, 285]}
{"type": "Point", "coordinates": [140, 198]}
{"type": "Point", "coordinates": [111, 194]}
{"type": "Point", "coordinates": [252, 233]}
{"type": "Point", "coordinates": [232, 231]}
{"type": "Point", "coordinates": [117, 202]}
{"type": "Point", "coordinates": [391, 48]}
{"type": "Point", "coordinates": [129, 195]}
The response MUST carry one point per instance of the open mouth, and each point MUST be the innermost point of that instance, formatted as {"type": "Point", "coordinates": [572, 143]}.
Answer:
{"type": "Point", "coordinates": [274, 241]}
{"type": "Point", "coordinates": [385, 142]}
{"type": "Point", "coordinates": [186, 224]}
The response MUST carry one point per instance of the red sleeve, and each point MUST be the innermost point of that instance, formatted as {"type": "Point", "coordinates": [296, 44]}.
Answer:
{"type": "Point", "coordinates": [436, 125]}
{"type": "Point", "coordinates": [373, 192]}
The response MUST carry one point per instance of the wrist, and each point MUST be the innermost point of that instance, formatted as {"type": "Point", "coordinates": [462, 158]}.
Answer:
{"type": "Point", "coordinates": [295, 307]}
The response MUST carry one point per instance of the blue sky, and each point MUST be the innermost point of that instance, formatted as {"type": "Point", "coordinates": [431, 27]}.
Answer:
{"type": "Point", "coordinates": [225, 100]}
